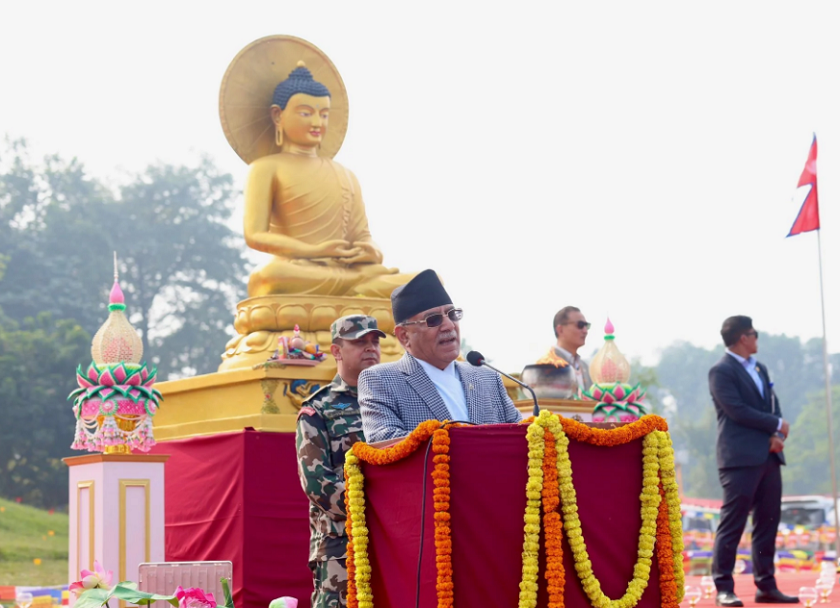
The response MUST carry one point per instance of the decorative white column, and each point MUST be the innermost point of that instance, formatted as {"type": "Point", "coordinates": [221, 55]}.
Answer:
{"type": "Point", "coordinates": [116, 513]}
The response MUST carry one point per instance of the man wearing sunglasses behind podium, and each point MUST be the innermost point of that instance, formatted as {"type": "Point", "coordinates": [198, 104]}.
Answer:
{"type": "Point", "coordinates": [427, 383]}
{"type": "Point", "coordinates": [571, 329]}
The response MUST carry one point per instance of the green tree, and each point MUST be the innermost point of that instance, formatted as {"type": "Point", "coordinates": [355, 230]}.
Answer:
{"type": "Point", "coordinates": [683, 370]}
{"type": "Point", "coordinates": [36, 363]}
{"type": "Point", "coordinates": [55, 237]}
{"type": "Point", "coordinates": [808, 469]}
{"type": "Point", "coordinates": [694, 444]}
{"type": "Point", "coordinates": [649, 379]}
{"type": "Point", "coordinates": [182, 267]}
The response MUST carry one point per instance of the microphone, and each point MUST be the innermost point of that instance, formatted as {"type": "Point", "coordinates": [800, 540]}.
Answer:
{"type": "Point", "coordinates": [477, 359]}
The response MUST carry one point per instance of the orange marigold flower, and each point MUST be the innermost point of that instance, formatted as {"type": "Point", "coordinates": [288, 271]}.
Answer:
{"type": "Point", "coordinates": [441, 494]}
{"type": "Point", "coordinates": [665, 556]}
{"type": "Point", "coordinates": [555, 574]}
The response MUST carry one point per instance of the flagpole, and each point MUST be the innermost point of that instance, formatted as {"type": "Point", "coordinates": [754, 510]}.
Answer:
{"type": "Point", "coordinates": [827, 373]}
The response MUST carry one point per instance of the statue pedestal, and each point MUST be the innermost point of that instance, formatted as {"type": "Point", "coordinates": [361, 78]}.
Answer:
{"type": "Point", "coordinates": [266, 398]}
{"type": "Point", "coordinates": [248, 391]}
{"type": "Point", "coordinates": [261, 320]}
{"type": "Point", "coordinates": [116, 512]}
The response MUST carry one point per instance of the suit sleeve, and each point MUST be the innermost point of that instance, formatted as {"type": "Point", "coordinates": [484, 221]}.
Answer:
{"type": "Point", "coordinates": [380, 411]}
{"type": "Point", "coordinates": [511, 414]}
{"type": "Point", "coordinates": [723, 386]}
{"type": "Point", "coordinates": [322, 484]}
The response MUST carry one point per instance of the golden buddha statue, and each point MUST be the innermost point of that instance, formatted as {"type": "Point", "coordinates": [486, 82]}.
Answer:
{"type": "Point", "coordinates": [301, 207]}
{"type": "Point", "coordinates": [307, 210]}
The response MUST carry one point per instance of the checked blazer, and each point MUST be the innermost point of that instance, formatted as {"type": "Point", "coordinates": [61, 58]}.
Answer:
{"type": "Point", "coordinates": [395, 397]}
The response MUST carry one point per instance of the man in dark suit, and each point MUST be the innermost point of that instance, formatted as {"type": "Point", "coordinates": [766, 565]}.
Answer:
{"type": "Point", "coordinates": [428, 383]}
{"type": "Point", "coordinates": [750, 440]}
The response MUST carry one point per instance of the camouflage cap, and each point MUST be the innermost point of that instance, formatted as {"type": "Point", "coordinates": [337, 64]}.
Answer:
{"type": "Point", "coordinates": [353, 327]}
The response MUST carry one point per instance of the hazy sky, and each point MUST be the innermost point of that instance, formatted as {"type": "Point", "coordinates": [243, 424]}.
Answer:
{"type": "Point", "coordinates": [632, 159]}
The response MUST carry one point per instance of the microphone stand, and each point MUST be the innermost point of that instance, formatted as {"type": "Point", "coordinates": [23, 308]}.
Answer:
{"type": "Point", "coordinates": [520, 383]}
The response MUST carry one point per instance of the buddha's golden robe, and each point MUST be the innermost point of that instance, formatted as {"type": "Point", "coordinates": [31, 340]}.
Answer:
{"type": "Point", "coordinates": [315, 200]}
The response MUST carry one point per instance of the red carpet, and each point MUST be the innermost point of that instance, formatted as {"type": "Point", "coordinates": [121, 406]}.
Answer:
{"type": "Point", "coordinates": [789, 583]}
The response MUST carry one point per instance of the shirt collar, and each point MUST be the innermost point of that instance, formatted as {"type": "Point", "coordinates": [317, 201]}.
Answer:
{"type": "Point", "coordinates": [573, 359]}
{"type": "Point", "coordinates": [431, 370]}
{"type": "Point", "coordinates": [745, 362]}
{"type": "Point", "coordinates": [340, 386]}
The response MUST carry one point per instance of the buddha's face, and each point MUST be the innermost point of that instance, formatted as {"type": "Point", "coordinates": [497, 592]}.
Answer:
{"type": "Point", "coordinates": [304, 121]}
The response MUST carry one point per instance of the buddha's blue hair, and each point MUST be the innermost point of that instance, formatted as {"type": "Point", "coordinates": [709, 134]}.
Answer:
{"type": "Point", "coordinates": [299, 81]}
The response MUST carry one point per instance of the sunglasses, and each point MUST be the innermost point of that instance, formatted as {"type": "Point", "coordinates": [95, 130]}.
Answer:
{"type": "Point", "coordinates": [752, 333]}
{"type": "Point", "coordinates": [580, 324]}
{"type": "Point", "coordinates": [435, 320]}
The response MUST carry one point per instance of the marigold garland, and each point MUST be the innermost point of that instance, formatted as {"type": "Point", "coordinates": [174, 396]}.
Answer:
{"type": "Point", "coordinates": [650, 500]}
{"type": "Point", "coordinates": [355, 482]}
{"type": "Point", "coordinates": [400, 450]}
{"type": "Point", "coordinates": [443, 533]}
{"type": "Point", "coordinates": [552, 486]}
{"type": "Point", "coordinates": [352, 602]}
{"type": "Point", "coordinates": [665, 556]}
{"type": "Point", "coordinates": [359, 592]}
{"type": "Point", "coordinates": [668, 475]}
{"type": "Point", "coordinates": [555, 574]}
{"type": "Point", "coordinates": [626, 433]}
{"type": "Point", "coordinates": [531, 544]}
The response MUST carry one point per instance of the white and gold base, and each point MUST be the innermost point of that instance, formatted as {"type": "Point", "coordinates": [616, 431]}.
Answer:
{"type": "Point", "coordinates": [116, 513]}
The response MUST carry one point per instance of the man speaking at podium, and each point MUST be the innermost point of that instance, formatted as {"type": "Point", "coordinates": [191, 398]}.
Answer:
{"type": "Point", "coordinates": [427, 383]}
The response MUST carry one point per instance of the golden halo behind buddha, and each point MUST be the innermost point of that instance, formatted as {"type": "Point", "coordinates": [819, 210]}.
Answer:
{"type": "Point", "coordinates": [248, 87]}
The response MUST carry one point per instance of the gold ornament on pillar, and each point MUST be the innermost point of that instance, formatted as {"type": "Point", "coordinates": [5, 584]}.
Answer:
{"type": "Point", "coordinates": [609, 365]}
{"type": "Point", "coordinates": [116, 340]}
{"type": "Point", "coordinates": [115, 401]}
{"type": "Point", "coordinates": [617, 401]}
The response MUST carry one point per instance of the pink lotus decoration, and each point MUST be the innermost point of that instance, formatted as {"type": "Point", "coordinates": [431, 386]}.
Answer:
{"type": "Point", "coordinates": [617, 402]}
{"type": "Point", "coordinates": [114, 405]}
{"type": "Point", "coordinates": [93, 592]}
{"type": "Point", "coordinates": [193, 597]}
{"type": "Point", "coordinates": [99, 578]}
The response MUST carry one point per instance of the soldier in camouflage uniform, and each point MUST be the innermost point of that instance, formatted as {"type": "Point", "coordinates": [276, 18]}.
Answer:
{"type": "Point", "coordinates": [328, 424]}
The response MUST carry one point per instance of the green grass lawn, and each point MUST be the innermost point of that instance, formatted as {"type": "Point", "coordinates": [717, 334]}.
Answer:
{"type": "Point", "coordinates": [27, 535]}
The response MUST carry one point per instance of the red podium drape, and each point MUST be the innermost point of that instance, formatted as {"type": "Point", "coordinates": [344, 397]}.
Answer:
{"type": "Point", "coordinates": [237, 497]}
{"type": "Point", "coordinates": [488, 467]}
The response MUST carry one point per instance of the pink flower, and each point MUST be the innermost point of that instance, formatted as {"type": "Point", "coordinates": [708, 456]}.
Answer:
{"type": "Point", "coordinates": [194, 598]}
{"type": "Point", "coordinates": [98, 579]}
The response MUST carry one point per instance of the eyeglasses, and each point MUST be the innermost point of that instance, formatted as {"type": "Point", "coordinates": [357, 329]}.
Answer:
{"type": "Point", "coordinates": [435, 320]}
{"type": "Point", "coordinates": [752, 333]}
{"type": "Point", "coordinates": [580, 324]}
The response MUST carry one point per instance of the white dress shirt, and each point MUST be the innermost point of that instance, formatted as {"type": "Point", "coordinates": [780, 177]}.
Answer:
{"type": "Point", "coordinates": [574, 361]}
{"type": "Point", "coordinates": [449, 387]}
{"type": "Point", "coordinates": [750, 365]}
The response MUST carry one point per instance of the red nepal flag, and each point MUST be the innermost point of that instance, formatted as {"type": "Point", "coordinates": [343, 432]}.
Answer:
{"type": "Point", "coordinates": [809, 214]}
